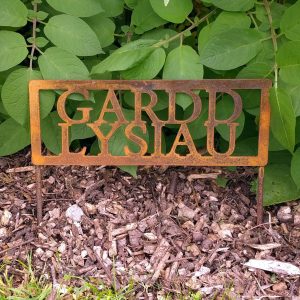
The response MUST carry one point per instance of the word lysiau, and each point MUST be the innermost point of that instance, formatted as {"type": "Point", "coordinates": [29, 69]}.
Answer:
{"type": "Point", "coordinates": [183, 137]}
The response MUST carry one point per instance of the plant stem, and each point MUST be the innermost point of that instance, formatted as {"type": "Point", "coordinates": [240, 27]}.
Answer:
{"type": "Point", "coordinates": [34, 23]}
{"type": "Point", "coordinates": [182, 33]}
{"type": "Point", "coordinates": [274, 39]}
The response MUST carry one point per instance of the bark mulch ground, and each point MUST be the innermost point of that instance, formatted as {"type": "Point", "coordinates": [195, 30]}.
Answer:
{"type": "Point", "coordinates": [171, 229]}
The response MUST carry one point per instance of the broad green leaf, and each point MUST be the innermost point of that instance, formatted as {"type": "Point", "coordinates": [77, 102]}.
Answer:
{"type": "Point", "coordinates": [144, 17]}
{"type": "Point", "coordinates": [231, 49]}
{"type": "Point", "coordinates": [13, 137]}
{"type": "Point", "coordinates": [234, 5]}
{"type": "Point", "coordinates": [256, 70]}
{"type": "Point", "coordinates": [16, 99]}
{"type": "Point", "coordinates": [294, 92]}
{"type": "Point", "coordinates": [183, 63]}
{"type": "Point", "coordinates": [266, 54]}
{"type": "Point", "coordinates": [290, 22]}
{"type": "Point", "coordinates": [104, 29]}
{"type": "Point", "coordinates": [13, 13]}
{"type": "Point", "coordinates": [175, 12]}
{"type": "Point", "coordinates": [279, 186]}
{"type": "Point", "coordinates": [225, 108]}
{"type": "Point", "coordinates": [288, 59]}
{"type": "Point", "coordinates": [148, 68]}
{"type": "Point", "coordinates": [246, 147]}
{"type": "Point", "coordinates": [82, 131]}
{"type": "Point", "coordinates": [125, 57]}
{"type": "Point", "coordinates": [51, 132]}
{"type": "Point", "coordinates": [72, 34]}
{"type": "Point", "coordinates": [197, 128]}
{"type": "Point", "coordinates": [274, 145]}
{"type": "Point", "coordinates": [251, 98]}
{"type": "Point", "coordinates": [162, 103]}
{"type": "Point", "coordinates": [112, 8]}
{"type": "Point", "coordinates": [77, 8]}
{"type": "Point", "coordinates": [58, 64]}
{"type": "Point", "coordinates": [13, 49]}
{"type": "Point", "coordinates": [131, 3]}
{"type": "Point", "coordinates": [283, 119]}
{"type": "Point", "coordinates": [132, 170]}
{"type": "Point", "coordinates": [295, 167]}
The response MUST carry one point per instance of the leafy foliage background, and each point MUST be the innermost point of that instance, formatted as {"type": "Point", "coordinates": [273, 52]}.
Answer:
{"type": "Point", "coordinates": [146, 39]}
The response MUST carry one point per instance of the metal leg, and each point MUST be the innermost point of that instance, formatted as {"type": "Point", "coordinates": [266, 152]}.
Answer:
{"type": "Point", "coordinates": [39, 197]}
{"type": "Point", "coordinates": [260, 194]}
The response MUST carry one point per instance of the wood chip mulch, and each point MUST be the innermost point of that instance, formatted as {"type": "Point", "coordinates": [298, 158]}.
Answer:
{"type": "Point", "coordinates": [170, 229]}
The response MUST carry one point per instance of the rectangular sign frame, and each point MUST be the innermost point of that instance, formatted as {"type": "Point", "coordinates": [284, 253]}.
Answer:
{"type": "Point", "coordinates": [138, 87]}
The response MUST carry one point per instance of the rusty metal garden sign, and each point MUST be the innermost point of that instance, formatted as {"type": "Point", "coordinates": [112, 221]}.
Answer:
{"type": "Point", "coordinates": [143, 157]}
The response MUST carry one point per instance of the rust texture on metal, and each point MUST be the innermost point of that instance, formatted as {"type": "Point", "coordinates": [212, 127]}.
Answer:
{"type": "Point", "coordinates": [111, 104]}
{"type": "Point", "coordinates": [138, 88]}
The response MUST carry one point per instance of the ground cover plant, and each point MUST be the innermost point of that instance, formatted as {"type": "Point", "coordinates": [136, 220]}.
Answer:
{"type": "Point", "coordinates": [147, 39]}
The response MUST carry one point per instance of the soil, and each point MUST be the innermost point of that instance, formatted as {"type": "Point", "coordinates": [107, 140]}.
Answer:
{"type": "Point", "coordinates": [170, 229]}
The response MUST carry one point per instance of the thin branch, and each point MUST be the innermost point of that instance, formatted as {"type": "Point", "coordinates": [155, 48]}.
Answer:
{"type": "Point", "coordinates": [181, 34]}
{"type": "Point", "coordinates": [34, 23]}
{"type": "Point", "coordinates": [274, 38]}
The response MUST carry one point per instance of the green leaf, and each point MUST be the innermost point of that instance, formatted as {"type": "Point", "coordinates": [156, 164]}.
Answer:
{"type": "Point", "coordinates": [112, 8]}
{"type": "Point", "coordinates": [144, 17]}
{"type": "Point", "coordinates": [132, 170]}
{"type": "Point", "coordinates": [246, 147]}
{"type": "Point", "coordinates": [41, 42]}
{"type": "Point", "coordinates": [72, 34]}
{"type": "Point", "coordinates": [234, 5]}
{"type": "Point", "coordinates": [51, 132]}
{"type": "Point", "coordinates": [279, 186]}
{"type": "Point", "coordinates": [16, 99]}
{"type": "Point", "coordinates": [294, 92]}
{"type": "Point", "coordinates": [13, 137]}
{"type": "Point", "coordinates": [251, 98]}
{"type": "Point", "coordinates": [13, 13]}
{"type": "Point", "coordinates": [183, 63]}
{"type": "Point", "coordinates": [125, 57]}
{"type": "Point", "coordinates": [58, 64]}
{"type": "Point", "coordinates": [290, 22]}
{"type": "Point", "coordinates": [283, 120]}
{"type": "Point", "coordinates": [104, 29]}
{"type": "Point", "coordinates": [288, 59]}
{"type": "Point", "coordinates": [13, 49]}
{"type": "Point", "coordinates": [225, 108]}
{"type": "Point", "coordinates": [131, 3]}
{"type": "Point", "coordinates": [77, 8]}
{"type": "Point", "coordinates": [175, 12]}
{"type": "Point", "coordinates": [295, 167]}
{"type": "Point", "coordinates": [231, 49]}
{"type": "Point", "coordinates": [225, 21]}
{"type": "Point", "coordinates": [147, 69]}
{"type": "Point", "coordinates": [197, 128]}
{"type": "Point", "coordinates": [162, 103]}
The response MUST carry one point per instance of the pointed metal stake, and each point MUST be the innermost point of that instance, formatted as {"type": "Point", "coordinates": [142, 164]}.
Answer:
{"type": "Point", "coordinates": [39, 197]}
{"type": "Point", "coordinates": [260, 194]}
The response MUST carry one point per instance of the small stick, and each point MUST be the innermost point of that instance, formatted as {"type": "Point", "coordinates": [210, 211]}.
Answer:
{"type": "Point", "coordinates": [260, 194]}
{"type": "Point", "coordinates": [39, 198]}
{"type": "Point", "coordinates": [173, 183]}
{"type": "Point", "coordinates": [20, 169]}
